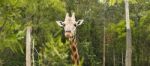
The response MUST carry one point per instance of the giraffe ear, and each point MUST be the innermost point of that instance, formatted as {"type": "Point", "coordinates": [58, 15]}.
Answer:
{"type": "Point", "coordinates": [60, 23]}
{"type": "Point", "coordinates": [79, 22]}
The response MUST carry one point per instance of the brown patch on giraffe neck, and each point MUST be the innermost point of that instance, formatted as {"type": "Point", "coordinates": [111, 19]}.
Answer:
{"type": "Point", "coordinates": [74, 51]}
{"type": "Point", "coordinates": [71, 38]}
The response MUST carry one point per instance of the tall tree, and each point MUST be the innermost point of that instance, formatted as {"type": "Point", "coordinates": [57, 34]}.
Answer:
{"type": "Point", "coordinates": [128, 57]}
{"type": "Point", "coordinates": [104, 47]}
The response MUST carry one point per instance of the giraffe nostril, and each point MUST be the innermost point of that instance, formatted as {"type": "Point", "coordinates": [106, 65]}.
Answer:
{"type": "Point", "coordinates": [68, 31]}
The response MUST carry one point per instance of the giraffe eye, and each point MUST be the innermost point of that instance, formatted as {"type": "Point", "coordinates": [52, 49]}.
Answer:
{"type": "Point", "coordinates": [75, 25]}
{"type": "Point", "coordinates": [63, 24]}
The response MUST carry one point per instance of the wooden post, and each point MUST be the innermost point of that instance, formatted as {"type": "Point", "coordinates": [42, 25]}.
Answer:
{"type": "Point", "coordinates": [28, 46]}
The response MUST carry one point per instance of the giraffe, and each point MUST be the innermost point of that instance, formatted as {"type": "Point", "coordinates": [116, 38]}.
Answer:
{"type": "Point", "coordinates": [69, 25]}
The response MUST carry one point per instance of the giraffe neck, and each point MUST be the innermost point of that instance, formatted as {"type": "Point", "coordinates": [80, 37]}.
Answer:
{"type": "Point", "coordinates": [74, 51]}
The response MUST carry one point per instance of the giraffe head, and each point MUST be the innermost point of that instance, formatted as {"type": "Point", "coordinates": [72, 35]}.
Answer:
{"type": "Point", "coordinates": [69, 24]}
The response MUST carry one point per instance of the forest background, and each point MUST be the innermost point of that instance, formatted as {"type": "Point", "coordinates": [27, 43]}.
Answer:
{"type": "Point", "coordinates": [50, 46]}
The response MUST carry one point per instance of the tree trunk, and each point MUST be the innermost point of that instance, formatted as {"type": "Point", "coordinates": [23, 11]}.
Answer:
{"type": "Point", "coordinates": [114, 58]}
{"type": "Point", "coordinates": [33, 54]}
{"type": "Point", "coordinates": [149, 61]}
{"type": "Point", "coordinates": [122, 59]}
{"type": "Point", "coordinates": [104, 46]}
{"type": "Point", "coordinates": [128, 59]}
{"type": "Point", "coordinates": [28, 46]}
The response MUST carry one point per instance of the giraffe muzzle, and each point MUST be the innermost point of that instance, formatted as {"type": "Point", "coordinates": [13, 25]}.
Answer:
{"type": "Point", "coordinates": [68, 34]}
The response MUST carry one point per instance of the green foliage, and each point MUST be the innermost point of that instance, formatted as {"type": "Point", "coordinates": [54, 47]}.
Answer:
{"type": "Point", "coordinates": [54, 53]}
{"type": "Point", "coordinates": [13, 38]}
{"type": "Point", "coordinates": [114, 2]}
{"type": "Point", "coordinates": [52, 49]}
